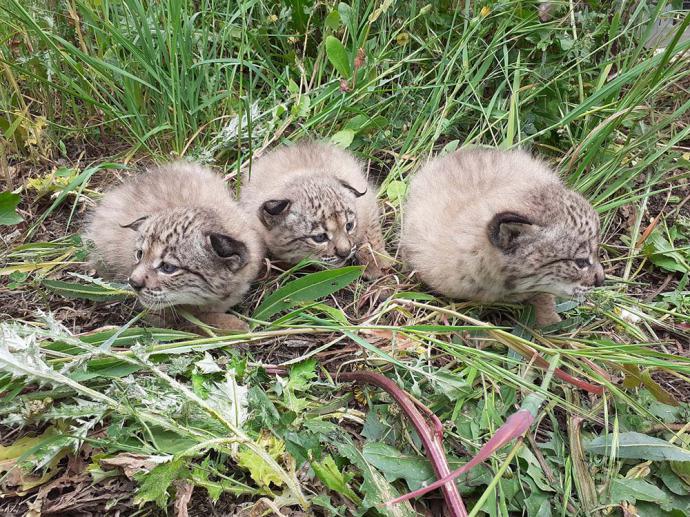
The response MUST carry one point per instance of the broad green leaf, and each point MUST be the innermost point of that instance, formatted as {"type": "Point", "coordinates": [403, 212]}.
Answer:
{"type": "Point", "coordinates": [415, 470]}
{"type": "Point", "coordinates": [329, 473]}
{"type": "Point", "coordinates": [395, 191]}
{"type": "Point", "coordinates": [307, 289]}
{"type": "Point", "coordinates": [343, 138]}
{"type": "Point", "coordinates": [638, 446]}
{"type": "Point", "coordinates": [332, 21]}
{"type": "Point", "coordinates": [632, 490]}
{"type": "Point", "coordinates": [338, 56]}
{"type": "Point", "coordinates": [94, 293]}
{"type": "Point", "coordinates": [8, 209]}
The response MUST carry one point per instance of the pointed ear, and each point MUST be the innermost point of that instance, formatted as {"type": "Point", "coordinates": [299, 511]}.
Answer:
{"type": "Point", "coordinates": [505, 228]}
{"type": "Point", "coordinates": [232, 251]}
{"type": "Point", "coordinates": [134, 225]}
{"type": "Point", "coordinates": [352, 189]}
{"type": "Point", "coordinates": [273, 210]}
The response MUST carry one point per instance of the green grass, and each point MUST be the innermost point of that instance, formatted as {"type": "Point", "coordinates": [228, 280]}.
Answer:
{"type": "Point", "coordinates": [97, 85]}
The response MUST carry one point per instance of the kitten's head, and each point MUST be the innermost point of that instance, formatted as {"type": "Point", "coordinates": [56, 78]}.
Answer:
{"type": "Point", "coordinates": [313, 218]}
{"type": "Point", "coordinates": [182, 257]}
{"type": "Point", "coordinates": [553, 247]}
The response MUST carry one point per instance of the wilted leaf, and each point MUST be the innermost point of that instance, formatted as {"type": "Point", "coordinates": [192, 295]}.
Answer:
{"type": "Point", "coordinates": [638, 446]}
{"type": "Point", "coordinates": [327, 471]}
{"type": "Point", "coordinates": [8, 209]}
{"type": "Point", "coordinates": [338, 56]}
{"type": "Point", "coordinates": [659, 393]}
{"type": "Point", "coordinates": [132, 464]}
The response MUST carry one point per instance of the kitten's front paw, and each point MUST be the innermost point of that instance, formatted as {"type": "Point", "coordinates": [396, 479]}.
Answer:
{"type": "Point", "coordinates": [545, 310]}
{"type": "Point", "coordinates": [546, 318]}
{"type": "Point", "coordinates": [376, 263]}
{"type": "Point", "coordinates": [224, 321]}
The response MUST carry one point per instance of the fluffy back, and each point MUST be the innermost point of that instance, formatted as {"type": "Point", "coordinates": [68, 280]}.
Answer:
{"type": "Point", "coordinates": [493, 225]}
{"type": "Point", "coordinates": [313, 201]}
{"type": "Point", "coordinates": [179, 237]}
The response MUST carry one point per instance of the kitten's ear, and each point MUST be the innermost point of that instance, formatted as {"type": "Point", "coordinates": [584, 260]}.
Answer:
{"type": "Point", "coordinates": [352, 189]}
{"type": "Point", "coordinates": [134, 225]}
{"type": "Point", "coordinates": [232, 251]}
{"type": "Point", "coordinates": [272, 210]}
{"type": "Point", "coordinates": [505, 228]}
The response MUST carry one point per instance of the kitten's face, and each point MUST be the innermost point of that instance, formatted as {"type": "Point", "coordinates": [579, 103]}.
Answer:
{"type": "Point", "coordinates": [180, 260]}
{"type": "Point", "coordinates": [555, 251]}
{"type": "Point", "coordinates": [316, 219]}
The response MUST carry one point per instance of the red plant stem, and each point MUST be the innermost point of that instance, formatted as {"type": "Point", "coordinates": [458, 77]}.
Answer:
{"type": "Point", "coordinates": [432, 447]}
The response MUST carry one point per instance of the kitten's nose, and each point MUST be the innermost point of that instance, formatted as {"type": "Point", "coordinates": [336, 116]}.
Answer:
{"type": "Point", "coordinates": [342, 253]}
{"type": "Point", "coordinates": [599, 276]}
{"type": "Point", "coordinates": [135, 283]}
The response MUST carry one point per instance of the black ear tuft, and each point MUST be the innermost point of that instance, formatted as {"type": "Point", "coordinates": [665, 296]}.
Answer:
{"type": "Point", "coordinates": [505, 228]}
{"type": "Point", "coordinates": [352, 189]}
{"type": "Point", "coordinates": [231, 250]}
{"type": "Point", "coordinates": [134, 225]}
{"type": "Point", "coordinates": [272, 210]}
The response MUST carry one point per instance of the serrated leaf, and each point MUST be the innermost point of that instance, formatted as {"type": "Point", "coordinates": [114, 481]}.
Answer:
{"type": "Point", "coordinates": [637, 446]}
{"type": "Point", "coordinates": [260, 471]}
{"type": "Point", "coordinates": [307, 289]}
{"type": "Point", "coordinates": [8, 209]}
{"type": "Point", "coordinates": [154, 485]}
{"type": "Point", "coordinates": [338, 56]}
{"type": "Point", "coordinates": [96, 293]}
{"type": "Point", "coordinates": [301, 375]}
{"type": "Point", "coordinates": [329, 474]}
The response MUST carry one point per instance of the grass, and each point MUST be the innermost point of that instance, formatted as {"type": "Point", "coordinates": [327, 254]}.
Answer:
{"type": "Point", "coordinates": [92, 88]}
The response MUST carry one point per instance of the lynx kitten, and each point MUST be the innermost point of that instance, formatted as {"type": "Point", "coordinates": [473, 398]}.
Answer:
{"type": "Point", "coordinates": [314, 201]}
{"type": "Point", "coordinates": [177, 236]}
{"type": "Point", "coordinates": [492, 226]}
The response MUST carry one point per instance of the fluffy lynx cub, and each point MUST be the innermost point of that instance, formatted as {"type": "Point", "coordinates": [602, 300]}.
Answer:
{"type": "Point", "coordinates": [176, 235]}
{"type": "Point", "coordinates": [491, 226]}
{"type": "Point", "coordinates": [314, 201]}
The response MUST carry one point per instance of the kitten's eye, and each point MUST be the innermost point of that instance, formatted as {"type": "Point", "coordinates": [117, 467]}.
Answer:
{"type": "Point", "coordinates": [138, 254]}
{"type": "Point", "coordinates": [320, 237]}
{"type": "Point", "coordinates": [350, 226]}
{"type": "Point", "coordinates": [167, 268]}
{"type": "Point", "coordinates": [582, 263]}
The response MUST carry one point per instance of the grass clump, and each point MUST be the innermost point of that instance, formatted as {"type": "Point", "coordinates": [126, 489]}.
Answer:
{"type": "Point", "coordinates": [96, 403]}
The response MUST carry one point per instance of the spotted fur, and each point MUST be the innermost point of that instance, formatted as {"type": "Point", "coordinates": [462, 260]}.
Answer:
{"type": "Point", "coordinates": [178, 237]}
{"type": "Point", "coordinates": [488, 225]}
{"type": "Point", "coordinates": [314, 201]}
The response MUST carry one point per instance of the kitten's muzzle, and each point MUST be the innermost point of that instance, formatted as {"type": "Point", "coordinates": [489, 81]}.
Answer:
{"type": "Point", "coordinates": [136, 284]}
{"type": "Point", "coordinates": [599, 276]}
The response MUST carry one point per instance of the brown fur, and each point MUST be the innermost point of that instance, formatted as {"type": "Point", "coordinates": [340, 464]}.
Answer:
{"type": "Point", "coordinates": [490, 226]}
{"type": "Point", "coordinates": [315, 190]}
{"type": "Point", "coordinates": [184, 216]}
